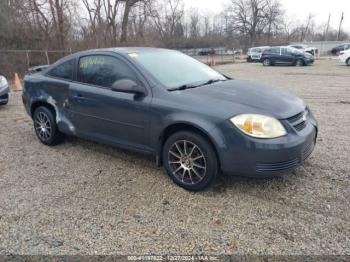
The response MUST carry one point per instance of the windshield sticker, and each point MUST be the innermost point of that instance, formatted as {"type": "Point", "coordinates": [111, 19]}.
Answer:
{"type": "Point", "coordinates": [92, 61]}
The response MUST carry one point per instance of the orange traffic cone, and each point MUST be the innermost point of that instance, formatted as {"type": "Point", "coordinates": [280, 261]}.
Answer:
{"type": "Point", "coordinates": [17, 84]}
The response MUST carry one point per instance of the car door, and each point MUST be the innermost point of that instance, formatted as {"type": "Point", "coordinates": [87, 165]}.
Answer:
{"type": "Point", "coordinates": [287, 56]}
{"type": "Point", "coordinates": [101, 114]}
{"type": "Point", "coordinates": [275, 55]}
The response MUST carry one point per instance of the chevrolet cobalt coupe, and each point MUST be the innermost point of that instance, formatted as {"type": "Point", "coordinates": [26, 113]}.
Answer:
{"type": "Point", "coordinates": [195, 121]}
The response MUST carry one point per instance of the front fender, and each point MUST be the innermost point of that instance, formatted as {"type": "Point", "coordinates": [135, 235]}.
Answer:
{"type": "Point", "coordinates": [183, 120]}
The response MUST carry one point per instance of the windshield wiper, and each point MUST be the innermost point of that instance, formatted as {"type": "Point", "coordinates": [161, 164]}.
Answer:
{"type": "Point", "coordinates": [183, 87]}
{"type": "Point", "coordinates": [211, 81]}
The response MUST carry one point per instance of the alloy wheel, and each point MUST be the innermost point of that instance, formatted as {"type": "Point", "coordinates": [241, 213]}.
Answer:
{"type": "Point", "coordinates": [43, 126]}
{"type": "Point", "coordinates": [187, 162]}
{"type": "Point", "coordinates": [299, 63]}
{"type": "Point", "coordinates": [267, 62]}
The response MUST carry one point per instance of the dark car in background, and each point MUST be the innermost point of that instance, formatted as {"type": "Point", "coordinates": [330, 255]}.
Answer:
{"type": "Point", "coordinates": [4, 90]}
{"type": "Point", "coordinates": [192, 119]}
{"type": "Point", "coordinates": [285, 55]}
{"type": "Point", "coordinates": [336, 50]}
{"type": "Point", "coordinates": [206, 51]}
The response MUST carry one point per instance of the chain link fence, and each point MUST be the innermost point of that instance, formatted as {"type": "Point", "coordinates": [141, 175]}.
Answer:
{"type": "Point", "coordinates": [18, 61]}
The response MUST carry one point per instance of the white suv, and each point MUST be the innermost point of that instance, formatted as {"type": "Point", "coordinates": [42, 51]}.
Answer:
{"type": "Point", "coordinates": [305, 48]}
{"type": "Point", "coordinates": [254, 53]}
{"type": "Point", "coordinates": [345, 57]}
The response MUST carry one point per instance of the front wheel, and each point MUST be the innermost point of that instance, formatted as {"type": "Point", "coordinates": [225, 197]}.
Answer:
{"type": "Point", "coordinates": [267, 62]}
{"type": "Point", "coordinates": [190, 160]}
{"type": "Point", "coordinates": [348, 62]}
{"type": "Point", "coordinates": [45, 127]}
{"type": "Point", "coordinates": [299, 62]}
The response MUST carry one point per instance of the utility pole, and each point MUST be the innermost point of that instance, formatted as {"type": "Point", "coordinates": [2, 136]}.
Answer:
{"type": "Point", "coordinates": [341, 21]}
{"type": "Point", "coordinates": [327, 27]}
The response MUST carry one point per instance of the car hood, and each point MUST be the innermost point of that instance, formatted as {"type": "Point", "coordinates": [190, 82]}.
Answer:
{"type": "Point", "coordinates": [237, 97]}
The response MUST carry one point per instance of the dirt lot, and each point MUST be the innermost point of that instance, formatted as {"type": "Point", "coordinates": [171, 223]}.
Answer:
{"type": "Point", "coordinates": [85, 198]}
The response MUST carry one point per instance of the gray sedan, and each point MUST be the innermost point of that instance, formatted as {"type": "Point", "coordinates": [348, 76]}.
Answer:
{"type": "Point", "coordinates": [4, 91]}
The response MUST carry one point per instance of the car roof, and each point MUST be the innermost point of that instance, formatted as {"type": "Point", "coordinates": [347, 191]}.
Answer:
{"type": "Point", "coordinates": [259, 47]}
{"type": "Point", "coordinates": [125, 50]}
{"type": "Point", "coordinates": [117, 50]}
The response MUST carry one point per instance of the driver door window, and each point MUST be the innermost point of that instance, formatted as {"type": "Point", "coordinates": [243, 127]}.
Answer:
{"type": "Point", "coordinates": [103, 71]}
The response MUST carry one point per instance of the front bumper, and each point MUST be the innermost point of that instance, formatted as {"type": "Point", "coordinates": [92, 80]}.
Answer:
{"type": "Point", "coordinates": [309, 61]}
{"type": "Point", "coordinates": [4, 90]}
{"type": "Point", "coordinates": [243, 155]}
{"type": "Point", "coordinates": [343, 58]}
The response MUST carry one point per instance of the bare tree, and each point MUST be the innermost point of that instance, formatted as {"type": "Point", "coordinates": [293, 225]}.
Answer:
{"type": "Point", "coordinates": [274, 19]}
{"type": "Point", "coordinates": [168, 18]}
{"type": "Point", "coordinates": [127, 8]}
{"type": "Point", "coordinates": [94, 9]}
{"type": "Point", "coordinates": [249, 17]}
{"type": "Point", "coordinates": [305, 29]}
{"type": "Point", "coordinates": [194, 24]}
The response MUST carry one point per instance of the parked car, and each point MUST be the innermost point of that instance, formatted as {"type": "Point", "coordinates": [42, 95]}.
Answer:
{"type": "Point", "coordinates": [306, 48]}
{"type": "Point", "coordinates": [344, 57]}
{"type": "Point", "coordinates": [284, 55]}
{"type": "Point", "coordinates": [336, 50]}
{"type": "Point", "coordinates": [254, 53]}
{"type": "Point", "coordinates": [4, 90]}
{"type": "Point", "coordinates": [194, 120]}
{"type": "Point", "coordinates": [206, 51]}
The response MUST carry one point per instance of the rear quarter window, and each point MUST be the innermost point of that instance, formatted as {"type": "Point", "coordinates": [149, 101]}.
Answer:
{"type": "Point", "coordinates": [63, 71]}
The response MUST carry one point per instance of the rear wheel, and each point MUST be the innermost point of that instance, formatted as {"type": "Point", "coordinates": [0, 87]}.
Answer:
{"type": "Point", "coordinates": [267, 62]}
{"type": "Point", "coordinates": [45, 127]}
{"type": "Point", "coordinates": [348, 62]}
{"type": "Point", "coordinates": [190, 160]}
{"type": "Point", "coordinates": [299, 62]}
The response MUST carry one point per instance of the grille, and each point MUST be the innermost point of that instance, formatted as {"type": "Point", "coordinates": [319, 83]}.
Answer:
{"type": "Point", "coordinates": [299, 121]}
{"type": "Point", "coordinates": [300, 126]}
{"type": "Point", "coordinates": [308, 150]}
{"type": "Point", "coordinates": [280, 166]}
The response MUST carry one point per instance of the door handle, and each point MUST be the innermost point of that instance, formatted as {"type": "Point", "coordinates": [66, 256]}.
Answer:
{"type": "Point", "coordinates": [79, 97]}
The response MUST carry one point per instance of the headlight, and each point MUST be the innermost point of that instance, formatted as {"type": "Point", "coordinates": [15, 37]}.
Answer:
{"type": "Point", "coordinates": [259, 126]}
{"type": "Point", "coordinates": [3, 81]}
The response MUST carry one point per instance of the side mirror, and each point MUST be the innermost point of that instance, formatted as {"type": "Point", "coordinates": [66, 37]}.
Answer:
{"type": "Point", "coordinates": [127, 86]}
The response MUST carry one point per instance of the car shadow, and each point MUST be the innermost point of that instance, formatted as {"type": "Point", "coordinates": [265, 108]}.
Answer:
{"type": "Point", "coordinates": [222, 185]}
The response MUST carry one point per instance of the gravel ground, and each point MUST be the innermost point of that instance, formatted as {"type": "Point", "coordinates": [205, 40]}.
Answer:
{"type": "Point", "coordinates": [84, 198]}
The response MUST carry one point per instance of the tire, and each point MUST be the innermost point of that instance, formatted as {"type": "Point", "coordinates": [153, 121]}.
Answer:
{"type": "Point", "coordinates": [299, 62]}
{"type": "Point", "coordinates": [194, 169]}
{"type": "Point", "coordinates": [348, 62]}
{"type": "Point", "coordinates": [267, 62]}
{"type": "Point", "coordinates": [45, 127]}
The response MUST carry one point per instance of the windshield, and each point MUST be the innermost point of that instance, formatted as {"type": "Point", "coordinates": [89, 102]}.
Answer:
{"type": "Point", "coordinates": [174, 69]}
{"type": "Point", "coordinates": [295, 51]}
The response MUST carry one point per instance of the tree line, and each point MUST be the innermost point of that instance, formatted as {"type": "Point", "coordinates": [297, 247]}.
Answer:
{"type": "Point", "coordinates": [83, 24]}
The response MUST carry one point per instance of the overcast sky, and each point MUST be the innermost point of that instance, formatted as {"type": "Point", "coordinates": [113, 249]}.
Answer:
{"type": "Point", "coordinates": [296, 10]}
